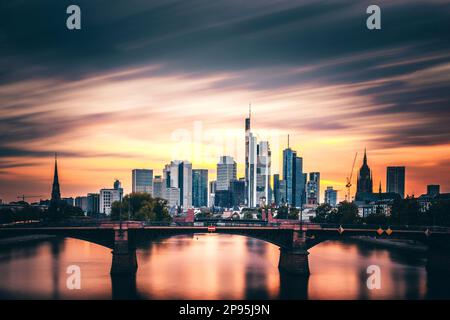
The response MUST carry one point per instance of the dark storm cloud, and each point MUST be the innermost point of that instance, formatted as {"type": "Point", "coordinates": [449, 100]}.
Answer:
{"type": "Point", "coordinates": [327, 39]}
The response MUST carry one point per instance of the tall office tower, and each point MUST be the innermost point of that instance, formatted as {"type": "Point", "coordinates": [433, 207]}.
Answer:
{"type": "Point", "coordinates": [212, 193]}
{"type": "Point", "coordinates": [433, 189]}
{"type": "Point", "coordinates": [331, 196]}
{"type": "Point", "coordinates": [226, 171]}
{"type": "Point", "coordinates": [237, 189]}
{"type": "Point", "coordinates": [199, 188]}
{"type": "Point", "coordinates": [93, 203]}
{"type": "Point", "coordinates": [247, 155]}
{"type": "Point", "coordinates": [299, 183]}
{"type": "Point", "coordinates": [142, 181]}
{"type": "Point", "coordinates": [252, 200]}
{"type": "Point", "coordinates": [263, 173]}
{"type": "Point", "coordinates": [395, 180]}
{"type": "Point", "coordinates": [158, 187]}
{"type": "Point", "coordinates": [222, 198]}
{"type": "Point", "coordinates": [364, 184]}
{"type": "Point", "coordinates": [276, 189]}
{"type": "Point", "coordinates": [282, 192]}
{"type": "Point", "coordinates": [293, 175]}
{"type": "Point", "coordinates": [109, 196]}
{"type": "Point", "coordinates": [305, 179]}
{"type": "Point", "coordinates": [313, 188]}
{"type": "Point", "coordinates": [178, 174]}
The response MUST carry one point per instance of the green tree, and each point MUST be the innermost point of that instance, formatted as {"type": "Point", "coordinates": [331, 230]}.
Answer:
{"type": "Point", "coordinates": [248, 215]}
{"type": "Point", "coordinates": [322, 213]}
{"type": "Point", "coordinates": [293, 214]}
{"type": "Point", "coordinates": [141, 206]}
{"type": "Point", "coordinates": [439, 213]}
{"type": "Point", "coordinates": [348, 213]}
{"type": "Point", "coordinates": [377, 218]}
{"type": "Point", "coordinates": [407, 212]}
{"type": "Point", "coordinates": [282, 212]}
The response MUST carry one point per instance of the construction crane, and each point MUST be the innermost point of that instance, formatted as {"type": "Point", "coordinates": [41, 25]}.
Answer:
{"type": "Point", "coordinates": [24, 196]}
{"type": "Point", "coordinates": [349, 180]}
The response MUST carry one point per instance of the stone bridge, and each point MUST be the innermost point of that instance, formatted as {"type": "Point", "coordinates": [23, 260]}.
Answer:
{"type": "Point", "coordinates": [294, 239]}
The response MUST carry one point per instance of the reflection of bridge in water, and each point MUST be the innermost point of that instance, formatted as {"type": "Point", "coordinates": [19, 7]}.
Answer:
{"type": "Point", "coordinates": [294, 239]}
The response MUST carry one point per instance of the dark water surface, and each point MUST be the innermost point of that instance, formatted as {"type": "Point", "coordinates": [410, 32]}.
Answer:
{"type": "Point", "coordinates": [212, 266]}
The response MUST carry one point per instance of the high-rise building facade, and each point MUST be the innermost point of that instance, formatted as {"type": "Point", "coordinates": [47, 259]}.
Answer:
{"type": "Point", "coordinates": [109, 196]}
{"type": "Point", "coordinates": [142, 181]}
{"type": "Point", "coordinates": [395, 180]}
{"type": "Point", "coordinates": [212, 193]}
{"type": "Point", "coordinates": [237, 189]}
{"type": "Point", "coordinates": [226, 172]}
{"type": "Point", "coordinates": [158, 187]}
{"type": "Point", "coordinates": [433, 190]}
{"type": "Point", "coordinates": [263, 173]}
{"type": "Point", "coordinates": [313, 188]}
{"type": "Point", "coordinates": [199, 188]}
{"type": "Point", "coordinates": [178, 174]}
{"type": "Point", "coordinates": [276, 189]}
{"type": "Point", "coordinates": [331, 196]}
{"type": "Point", "coordinates": [93, 203]}
{"type": "Point", "coordinates": [252, 200]}
{"type": "Point", "coordinates": [257, 169]}
{"type": "Point", "coordinates": [172, 195]}
{"type": "Point", "coordinates": [293, 176]}
{"type": "Point", "coordinates": [81, 202]}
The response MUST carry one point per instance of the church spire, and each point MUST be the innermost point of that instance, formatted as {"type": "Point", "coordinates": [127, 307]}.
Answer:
{"type": "Point", "coordinates": [365, 157]}
{"type": "Point", "coordinates": [56, 194]}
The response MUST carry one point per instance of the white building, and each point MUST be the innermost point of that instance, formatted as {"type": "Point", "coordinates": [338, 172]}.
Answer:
{"type": "Point", "coordinates": [252, 199]}
{"type": "Point", "coordinates": [263, 173]}
{"type": "Point", "coordinates": [109, 196]}
{"type": "Point", "coordinates": [178, 174]}
{"type": "Point", "coordinates": [142, 181]}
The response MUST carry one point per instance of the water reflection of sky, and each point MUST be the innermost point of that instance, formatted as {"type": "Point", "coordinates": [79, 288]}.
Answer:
{"type": "Point", "coordinates": [208, 266]}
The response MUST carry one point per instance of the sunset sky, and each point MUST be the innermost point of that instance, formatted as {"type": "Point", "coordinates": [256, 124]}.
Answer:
{"type": "Point", "coordinates": [146, 82]}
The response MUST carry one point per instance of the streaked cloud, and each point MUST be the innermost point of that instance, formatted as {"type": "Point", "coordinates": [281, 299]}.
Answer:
{"type": "Point", "coordinates": [110, 97]}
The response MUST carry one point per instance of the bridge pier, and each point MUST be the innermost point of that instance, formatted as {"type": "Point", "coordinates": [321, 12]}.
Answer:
{"type": "Point", "coordinates": [294, 259]}
{"type": "Point", "coordinates": [438, 261]}
{"type": "Point", "coordinates": [123, 255]}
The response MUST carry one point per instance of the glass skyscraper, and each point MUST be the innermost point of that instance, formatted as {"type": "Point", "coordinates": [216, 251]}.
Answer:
{"type": "Point", "coordinates": [199, 187]}
{"type": "Point", "coordinates": [395, 180]}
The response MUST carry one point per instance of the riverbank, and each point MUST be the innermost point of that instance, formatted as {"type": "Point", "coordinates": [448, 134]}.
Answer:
{"type": "Point", "coordinates": [406, 245]}
{"type": "Point", "coordinates": [24, 239]}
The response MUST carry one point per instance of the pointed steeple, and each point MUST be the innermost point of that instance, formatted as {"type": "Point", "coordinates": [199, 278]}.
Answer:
{"type": "Point", "coordinates": [56, 194]}
{"type": "Point", "coordinates": [365, 157]}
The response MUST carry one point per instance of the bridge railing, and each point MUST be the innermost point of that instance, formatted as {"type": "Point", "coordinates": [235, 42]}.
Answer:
{"type": "Point", "coordinates": [377, 226]}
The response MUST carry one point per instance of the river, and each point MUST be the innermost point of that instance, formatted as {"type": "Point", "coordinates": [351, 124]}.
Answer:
{"type": "Point", "coordinates": [212, 266]}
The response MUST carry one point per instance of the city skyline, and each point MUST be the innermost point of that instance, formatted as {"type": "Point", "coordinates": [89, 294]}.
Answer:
{"type": "Point", "coordinates": [109, 100]}
{"type": "Point", "coordinates": [322, 193]}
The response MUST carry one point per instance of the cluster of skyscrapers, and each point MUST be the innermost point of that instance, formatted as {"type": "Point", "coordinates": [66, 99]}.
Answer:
{"type": "Point", "coordinates": [184, 187]}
